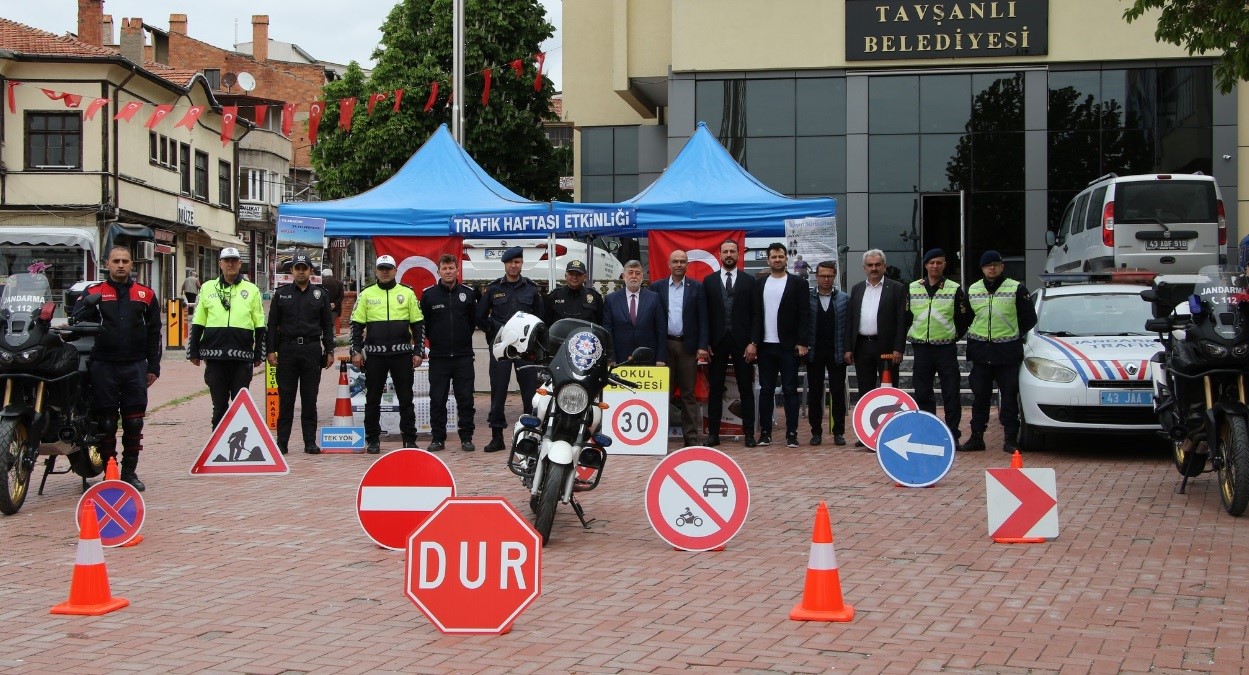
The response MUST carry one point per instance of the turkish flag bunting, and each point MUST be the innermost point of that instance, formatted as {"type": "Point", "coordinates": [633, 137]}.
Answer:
{"type": "Point", "coordinates": [485, 90]}
{"type": "Point", "coordinates": [72, 100]}
{"type": "Point", "coordinates": [537, 79]}
{"type": "Point", "coordinates": [398, 98]}
{"type": "Point", "coordinates": [518, 67]}
{"type": "Point", "coordinates": [158, 115]}
{"type": "Point", "coordinates": [262, 111]}
{"type": "Point", "coordinates": [433, 96]}
{"type": "Point", "coordinates": [52, 94]}
{"type": "Point", "coordinates": [288, 118]}
{"type": "Point", "coordinates": [9, 93]}
{"type": "Point", "coordinates": [94, 107]}
{"type": "Point", "coordinates": [127, 111]}
{"type": "Point", "coordinates": [314, 120]}
{"type": "Point", "coordinates": [418, 257]}
{"type": "Point", "coordinates": [188, 120]}
{"type": "Point", "coordinates": [229, 114]}
{"type": "Point", "coordinates": [702, 246]}
{"type": "Point", "coordinates": [346, 108]}
{"type": "Point", "coordinates": [374, 99]}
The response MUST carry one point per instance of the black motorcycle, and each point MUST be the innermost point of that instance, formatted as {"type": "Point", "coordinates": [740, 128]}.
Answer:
{"type": "Point", "coordinates": [559, 451]}
{"type": "Point", "coordinates": [47, 390]}
{"type": "Point", "coordinates": [1200, 377]}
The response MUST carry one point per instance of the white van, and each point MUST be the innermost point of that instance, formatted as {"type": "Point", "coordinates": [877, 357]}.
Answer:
{"type": "Point", "coordinates": [1165, 223]}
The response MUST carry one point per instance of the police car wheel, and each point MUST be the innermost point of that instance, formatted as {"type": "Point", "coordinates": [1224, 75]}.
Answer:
{"type": "Point", "coordinates": [1029, 437]}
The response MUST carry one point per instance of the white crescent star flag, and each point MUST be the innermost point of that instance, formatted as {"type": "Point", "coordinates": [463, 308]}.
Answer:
{"type": "Point", "coordinates": [158, 115]}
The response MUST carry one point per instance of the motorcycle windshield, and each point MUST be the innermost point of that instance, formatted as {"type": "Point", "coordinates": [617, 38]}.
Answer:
{"type": "Point", "coordinates": [1222, 289]}
{"type": "Point", "coordinates": [581, 349]}
{"type": "Point", "coordinates": [21, 301]}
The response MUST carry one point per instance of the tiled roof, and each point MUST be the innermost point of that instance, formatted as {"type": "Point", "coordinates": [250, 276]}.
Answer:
{"type": "Point", "coordinates": [21, 38]}
{"type": "Point", "coordinates": [179, 76]}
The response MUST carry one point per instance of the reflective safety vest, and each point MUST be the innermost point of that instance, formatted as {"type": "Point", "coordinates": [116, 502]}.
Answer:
{"type": "Point", "coordinates": [996, 319]}
{"type": "Point", "coordinates": [934, 316]}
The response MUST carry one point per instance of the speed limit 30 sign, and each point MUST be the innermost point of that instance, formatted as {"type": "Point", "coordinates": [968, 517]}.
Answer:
{"type": "Point", "coordinates": [637, 420]}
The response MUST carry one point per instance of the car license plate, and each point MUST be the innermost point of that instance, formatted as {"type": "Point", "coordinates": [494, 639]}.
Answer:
{"type": "Point", "coordinates": [494, 253]}
{"type": "Point", "coordinates": [1166, 245]}
{"type": "Point", "coordinates": [1141, 398]}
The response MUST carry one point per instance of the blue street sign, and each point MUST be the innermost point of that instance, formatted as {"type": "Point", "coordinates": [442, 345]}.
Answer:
{"type": "Point", "coordinates": [915, 448]}
{"type": "Point", "coordinates": [342, 438]}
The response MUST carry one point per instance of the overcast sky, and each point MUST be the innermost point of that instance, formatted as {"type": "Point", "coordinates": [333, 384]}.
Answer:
{"type": "Point", "coordinates": [331, 30]}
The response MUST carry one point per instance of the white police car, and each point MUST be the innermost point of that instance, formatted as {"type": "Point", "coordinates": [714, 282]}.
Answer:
{"type": "Point", "coordinates": [1086, 364]}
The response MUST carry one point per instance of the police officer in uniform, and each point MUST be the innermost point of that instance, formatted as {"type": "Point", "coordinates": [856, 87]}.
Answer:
{"type": "Point", "coordinates": [575, 300]}
{"type": "Point", "coordinates": [386, 338]}
{"type": "Point", "coordinates": [125, 359]}
{"type": "Point", "coordinates": [937, 314]}
{"type": "Point", "coordinates": [450, 312]}
{"type": "Point", "coordinates": [505, 296]}
{"type": "Point", "coordinates": [1002, 314]}
{"type": "Point", "coordinates": [300, 343]}
{"type": "Point", "coordinates": [227, 332]}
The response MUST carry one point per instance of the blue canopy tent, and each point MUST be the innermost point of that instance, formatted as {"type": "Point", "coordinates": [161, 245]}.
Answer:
{"type": "Point", "coordinates": [437, 182]}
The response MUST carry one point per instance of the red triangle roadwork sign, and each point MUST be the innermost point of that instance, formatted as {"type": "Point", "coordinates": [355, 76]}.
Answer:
{"type": "Point", "coordinates": [1022, 503]}
{"type": "Point", "coordinates": [241, 445]}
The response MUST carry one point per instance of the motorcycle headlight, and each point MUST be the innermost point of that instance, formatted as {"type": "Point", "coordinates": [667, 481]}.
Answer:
{"type": "Point", "coordinates": [6, 357]}
{"type": "Point", "coordinates": [1049, 371]}
{"type": "Point", "coordinates": [573, 399]}
{"type": "Point", "coordinates": [30, 355]}
{"type": "Point", "coordinates": [1213, 350]}
{"type": "Point", "coordinates": [1239, 351]}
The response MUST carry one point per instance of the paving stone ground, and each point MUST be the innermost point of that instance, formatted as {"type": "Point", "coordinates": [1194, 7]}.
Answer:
{"type": "Point", "coordinates": [274, 575]}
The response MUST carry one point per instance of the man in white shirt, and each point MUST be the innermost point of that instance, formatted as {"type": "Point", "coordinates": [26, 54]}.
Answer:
{"type": "Point", "coordinates": [686, 311]}
{"type": "Point", "coordinates": [784, 327]}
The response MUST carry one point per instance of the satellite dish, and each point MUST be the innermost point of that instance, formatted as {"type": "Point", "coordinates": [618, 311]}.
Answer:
{"type": "Point", "coordinates": [229, 80]}
{"type": "Point", "coordinates": [246, 81]}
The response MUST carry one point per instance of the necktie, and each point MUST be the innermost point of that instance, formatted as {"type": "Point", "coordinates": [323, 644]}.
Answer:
{"type": "Point", "coordinates": [728, 283]}
{"type": "Point", "coordinates": [633, 309]}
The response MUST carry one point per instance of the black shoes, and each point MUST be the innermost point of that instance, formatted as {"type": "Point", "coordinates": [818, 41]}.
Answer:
{"type": "Point", "coordinates": [816, 438]}
{"type": "Point", "coordinates": [129, 464]}
{"type": "Point", "coordinates": [750, 441]}
{"type": "Point", "coordinates": [282, 448]}
{"type": "Point", "coordinates": [765, 438]}
{"type": "Point", "coordinates": [1009, 446]}
{"type": "Point", "coordinates": [312, 449]}
{"type": "Point", "coordinates": [373, 448]}
{"type": "Point", "coordinates": [791, 440]}
{"type": "Point", "coordinates": [496, 442]}
{"type": "Point", "coordinates": [975, 443]}
{"type": "Point", "coordinates": [436, 446]}
{"type": "Point", "coordinates": [859, 444]}
{"type": "Point", "coordinates": [839, 440]}
{"type": "Point", "coordinates": [467, 445]}
{"type": "Point", "coordinates": [409, 442]}
{"type": "Point", "coordinates": [712, 440]}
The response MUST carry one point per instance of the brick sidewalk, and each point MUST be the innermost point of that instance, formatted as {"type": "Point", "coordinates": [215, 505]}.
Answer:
{"type": "Point", "coordinates": [273, 575]}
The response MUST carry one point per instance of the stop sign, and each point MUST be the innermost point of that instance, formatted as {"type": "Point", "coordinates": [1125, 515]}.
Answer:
{"type": "Point", "coordinates": [474, 565]}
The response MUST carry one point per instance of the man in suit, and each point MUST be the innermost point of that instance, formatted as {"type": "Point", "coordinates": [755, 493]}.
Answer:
{"type": "Point", "coordinates": [635, 319]}
{"type": "Point", "coordinates": [682, 301]}
{"type": "Point", "coordinates": [731, 314]}
{"type": "Point", "coordinates": [875, 324]}
{"type": "Point", "coordinates": [783, 330]}
{"type": "Point", "coordinates": [828, 316]}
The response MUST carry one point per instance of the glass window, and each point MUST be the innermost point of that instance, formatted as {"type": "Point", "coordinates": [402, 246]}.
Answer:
{"type": "Point", "coordinates": [1077, 216]}
{"type": "Point", "coordinates": [252, 185]}
{"type": "Point", "coordinates": [213, 75]}
{"type": "Point", "coordinates": [184, 166]}
{"type": "Point", "coordinates": [1093, 217]}
{"type": "Point", "coordinates": [821, 106]}
{"type": "Point", "coordinates": [996, 221]}
{"type": "Point", "coordinates": [888, 217]}
{"type": "Point", "coordinates": [201, 174]}
{"type": "Point", "coordinates": [1184, 96]}
{"type": "Point", "coordinates": [997, 102]}
{"type": "Point", "coordinates": [943, 162]}
{"type": "Point", "coordinates": [1074, 159]}
{"type": "Point", "coordinates": [625, 146]}
{"type": "Point", "coordinates": [820, 165]}
{"type": "Point", "coordinates": [1065, 228]}
{"type": "Point", "coordinates": [893, 163]}
{"type": "Point", "coordinates": [164, 150]}
{"type": "Point", "coordinates": [53, 140]}
{"type": "Point", "coordinates": [944, 103]}
{"type": "Point", "coordinates": [710, 97]}
{"type": "Point", "coordinates": [771, 160]}
{"type": "Point", "coordinates": [1127, 152]}
{"type": "Point", "coordinates": [224, 178]}
{"type": "Point", "coordinates": [1186, 151]}
{"type": "Point", "coordinates": [596, 151]}
{"type": "Point", "coordinates": [770, 108]}
{"type": "Point", "coordinates": [597, 189]}
{"type": "Point", "coordinates": [152, 153]}
{"type": "Point", "coordinates": [997, 161]}
{"type": "Point", "coordinates": [893, 105]}
{"type": "Point", "coordinates": [1074, 97]}
{"type": "Point", "coordinates": [625, 187]}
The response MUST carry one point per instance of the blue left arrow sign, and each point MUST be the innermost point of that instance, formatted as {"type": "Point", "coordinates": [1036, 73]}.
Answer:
{"type": "Point", "coordinates": [915, 448]}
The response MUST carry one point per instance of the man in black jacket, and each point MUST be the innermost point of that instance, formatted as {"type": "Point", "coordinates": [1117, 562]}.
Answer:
{"type": "Point", "coordinates": [300, 344]}
{"type": "Point", "coordinates": [782, 332]}
{"type": "Point", "coordinates": [732, 309]}
{"type": "Point", "coordinates": [875, 325]}
{"type": "Point", "coordinates": [125, 360]}
{"type": "Point", "coordinates": [450, 309]}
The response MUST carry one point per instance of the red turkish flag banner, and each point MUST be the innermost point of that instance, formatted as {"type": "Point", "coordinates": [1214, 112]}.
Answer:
{"type": "Point", "coordinates": [262, 111]}
{"type": "Point", "coordinates": [188, 120]}
{"type": "Point", "coordinates": [72, 100]}
{"type": "Point", "coordinates": [485, 90]}
{"type": "Point", "coordinates": [537, 79]}
{"type": "Point", "coordinates": [417, 257]}
{"type": "Point", "coordinates": [518, 67]}
{"type": "Point", "coordinates": [229, 114]}
{"type": "Point", "coordinates": [314, 119]}
{"type": "Point", "coordinates": [398, 98]}
{"type": "Point", "coordinates": [346, 108]}
{"type": "Point", "coordinates": [702, 247]}
{"type": "Point", "coordinates": [374, 99]}
{"type": "Point", "coordinates": [12, 100]}
{"type": "Point", "coordinates": [158, 115]}
{"type": "Point", "coordinates": [433, 96]}
{"type": "Point", "coordinates": [55, 96]}
{"type": "Point", "coordinates": [288, 118]}
{"type": "Point", "coordinates": [127, 111]}
{"type": "Point", "coordinates": [94, 107]}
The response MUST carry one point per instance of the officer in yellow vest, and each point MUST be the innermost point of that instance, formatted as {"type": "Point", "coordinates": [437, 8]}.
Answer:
{"type": "Point", "coordinates": [938, 315]}
{"type": "Point", "coordinates": [1003, 314]}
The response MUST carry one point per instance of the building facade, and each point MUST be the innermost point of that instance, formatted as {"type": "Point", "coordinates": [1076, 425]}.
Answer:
{"type": "Point", "coordinates": [965, 125]}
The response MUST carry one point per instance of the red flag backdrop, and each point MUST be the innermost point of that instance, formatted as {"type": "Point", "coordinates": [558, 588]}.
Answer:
{"type": "Point", "coordinates": [417, 257]}
{"type": "Point", "coordinates": [702, 247]}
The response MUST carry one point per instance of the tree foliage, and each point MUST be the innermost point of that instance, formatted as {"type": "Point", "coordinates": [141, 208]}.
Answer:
{"type": "Point", "coordinates": [1203, 26]}
{"type": "Point", "coordinates": [506, 138]}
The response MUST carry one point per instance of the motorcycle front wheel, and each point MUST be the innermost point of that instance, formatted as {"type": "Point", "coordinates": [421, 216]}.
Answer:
{"type": "Point", "coordinates": [553, 484]}
{"type": "Point", "coordinates": [1189, 462]}
{"type": "Point", "coordinates": [14, 474]}
{"type": "Point", "coordinates": [87, 462]}
{"type": "Point", "coordinates": [1234, 469]}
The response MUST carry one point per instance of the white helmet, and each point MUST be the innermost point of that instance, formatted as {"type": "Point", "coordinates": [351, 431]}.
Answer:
{"type": "Point", "coordinates": [523, 336]}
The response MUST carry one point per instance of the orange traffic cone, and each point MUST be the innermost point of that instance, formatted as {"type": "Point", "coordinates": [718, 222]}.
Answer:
{"type": "Point", "coordinates": [1016, 460]}
{"type": "Point", "coordinates": [821, 597]}
{"type": "Point", "coordinates": [88, 590]}
{"type": "Point", "coordinates": [342, 405]}
{"type": "Point", "coordinates": [886, 378]}
{"type": "Point", "coordinates": [110, 470]}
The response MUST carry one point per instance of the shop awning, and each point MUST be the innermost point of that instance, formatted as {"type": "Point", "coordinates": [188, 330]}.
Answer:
{"type": "Point", "coordinates": [222, 240]}
{"type": "Point", "coordinates": [129, 229]}
{"type": "Point", "coordinates": [32, 235]}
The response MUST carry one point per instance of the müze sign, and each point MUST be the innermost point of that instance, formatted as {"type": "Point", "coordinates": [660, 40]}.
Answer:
{"type": "Point", "coordinates": [885, 29]}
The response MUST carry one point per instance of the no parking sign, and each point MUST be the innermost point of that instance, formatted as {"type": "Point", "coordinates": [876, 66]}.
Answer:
{"type": "Point", "coordinates": [638, 420]}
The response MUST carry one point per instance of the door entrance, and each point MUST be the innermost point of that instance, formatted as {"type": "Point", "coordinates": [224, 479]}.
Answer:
{"type": "Point", "coordinates": [941, 226]}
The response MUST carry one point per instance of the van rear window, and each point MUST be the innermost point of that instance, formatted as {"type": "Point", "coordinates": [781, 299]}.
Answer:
{"type": "Point", "coordinates": [1170, 201]}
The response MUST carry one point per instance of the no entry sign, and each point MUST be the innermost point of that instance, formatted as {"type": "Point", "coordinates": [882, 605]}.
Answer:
{"type": "Point", "coordinates": [118, 508]}
{"type": "Point", "coordinates": [399, 492]}
{"type": "Point", "coordinates": [697, 499]}
{"type": "Point", "coordinates": [875, 408]}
